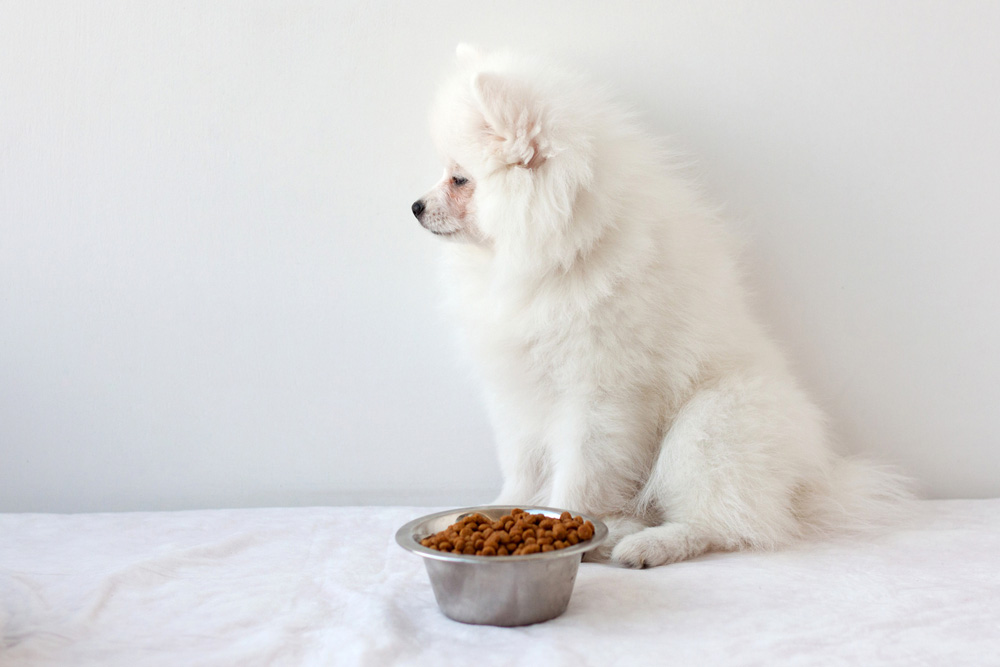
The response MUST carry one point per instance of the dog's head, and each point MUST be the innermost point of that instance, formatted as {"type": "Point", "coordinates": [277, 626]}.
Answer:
{"type": "Point", "coordinates": [448, 209]}
{"type": "Point", "coordinates": [517, 140]}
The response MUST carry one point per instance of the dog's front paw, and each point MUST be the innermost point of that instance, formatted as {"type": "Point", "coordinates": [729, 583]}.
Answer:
{"type": "Point", "coordinates": [660, 545]}
{"type": "Point", "coordinates": [618, 528]}
{"type": "Point", "coordinates": [638, 551]}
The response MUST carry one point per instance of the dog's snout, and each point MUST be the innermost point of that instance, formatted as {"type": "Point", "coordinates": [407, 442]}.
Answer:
{"type": "Point", "coordinates": [418, 207]}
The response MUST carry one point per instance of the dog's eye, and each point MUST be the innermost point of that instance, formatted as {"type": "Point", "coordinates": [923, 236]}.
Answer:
{"type": "Point", "coordinates": [459, 181]}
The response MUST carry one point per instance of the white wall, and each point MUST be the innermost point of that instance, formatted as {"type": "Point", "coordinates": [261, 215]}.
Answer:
{"type": "Point", "coordinates": [212, 292]}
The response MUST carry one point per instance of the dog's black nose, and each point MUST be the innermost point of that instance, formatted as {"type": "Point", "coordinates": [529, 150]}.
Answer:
{"type": "Point", "coordinates": [418, 207]}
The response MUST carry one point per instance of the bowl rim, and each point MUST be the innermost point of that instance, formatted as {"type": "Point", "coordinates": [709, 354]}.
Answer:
{"type": "Point", "coordinates": [406, 539]}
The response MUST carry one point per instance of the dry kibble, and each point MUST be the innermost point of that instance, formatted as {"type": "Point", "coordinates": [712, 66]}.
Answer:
{"type": "Point", "coordinates": [518, 533]}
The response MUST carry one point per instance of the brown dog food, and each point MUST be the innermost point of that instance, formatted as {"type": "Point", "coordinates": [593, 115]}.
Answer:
{"type": "Point", "coordinates": [515, 534]}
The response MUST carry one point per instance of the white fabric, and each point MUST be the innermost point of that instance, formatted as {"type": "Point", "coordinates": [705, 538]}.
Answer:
{"type": "Point", "coordinates": [331, 587]}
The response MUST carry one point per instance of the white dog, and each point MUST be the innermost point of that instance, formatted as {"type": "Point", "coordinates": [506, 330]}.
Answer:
{"type": "Point", "coordinates": [626, 375]}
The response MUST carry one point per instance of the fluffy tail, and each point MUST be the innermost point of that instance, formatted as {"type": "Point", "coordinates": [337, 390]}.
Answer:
{"type": "Point", "coordinates": [858, 496]}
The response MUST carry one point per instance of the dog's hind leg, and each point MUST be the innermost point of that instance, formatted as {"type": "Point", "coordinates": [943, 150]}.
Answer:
{"type": "Point", "coordinates": [729, 472]}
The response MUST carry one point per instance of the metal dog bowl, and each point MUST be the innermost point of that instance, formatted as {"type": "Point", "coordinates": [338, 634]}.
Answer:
{"type": "Point", "coordinates": [498, 590]}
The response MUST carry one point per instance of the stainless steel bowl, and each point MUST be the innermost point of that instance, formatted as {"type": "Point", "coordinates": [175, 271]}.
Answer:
{"type": "Point", "coordinates": [498, 590]}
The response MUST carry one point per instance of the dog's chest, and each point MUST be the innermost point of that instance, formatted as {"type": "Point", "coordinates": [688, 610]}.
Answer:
{"type": "Point", "coordinates": [539, 337]}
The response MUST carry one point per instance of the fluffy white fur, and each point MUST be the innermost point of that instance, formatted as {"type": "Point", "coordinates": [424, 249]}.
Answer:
{"type": "Point", "coordinates": [601, 297]}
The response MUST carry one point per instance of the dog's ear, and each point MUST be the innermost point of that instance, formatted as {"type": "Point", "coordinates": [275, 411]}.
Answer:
{"type": "Point", "coordinates": [513, 119]}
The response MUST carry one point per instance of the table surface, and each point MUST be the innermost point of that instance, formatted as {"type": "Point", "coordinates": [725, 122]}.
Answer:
{"type": "Point", "coordinates": [329, 586]}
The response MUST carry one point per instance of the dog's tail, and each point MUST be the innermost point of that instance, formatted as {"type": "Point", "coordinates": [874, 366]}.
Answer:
{"type": "Point", "coordinates": [858, 495]}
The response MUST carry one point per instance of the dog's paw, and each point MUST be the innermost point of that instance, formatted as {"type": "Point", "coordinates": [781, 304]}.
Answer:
{"type": "Point", "coordinates": [639, 551]}
{"type": "Point", "coordinates": [618, 529]}
{"type": "Point", "coordinates": [659, 546]}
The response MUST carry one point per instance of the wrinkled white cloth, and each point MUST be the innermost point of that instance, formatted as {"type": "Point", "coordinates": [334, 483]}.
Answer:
{"type": "Point", "coordinates": [329, 586]}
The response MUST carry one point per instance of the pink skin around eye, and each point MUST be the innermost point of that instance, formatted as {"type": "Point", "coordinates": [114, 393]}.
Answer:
{"type": "Point", "coordinates": [458, 198]}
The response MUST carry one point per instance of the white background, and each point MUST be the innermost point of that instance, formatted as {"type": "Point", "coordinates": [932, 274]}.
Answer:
{"type": "Point", "coordinates": [212, 292]}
